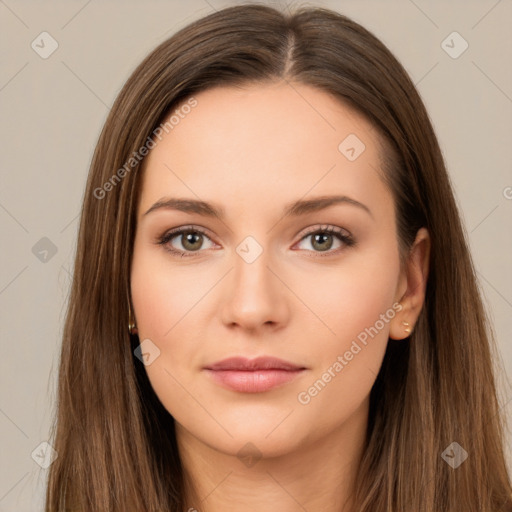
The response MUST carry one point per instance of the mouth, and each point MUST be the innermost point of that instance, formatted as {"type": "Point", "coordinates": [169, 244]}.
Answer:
{"type": "Point", "coordinates": [253, 375]}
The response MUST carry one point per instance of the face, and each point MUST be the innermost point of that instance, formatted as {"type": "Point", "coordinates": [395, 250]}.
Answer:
{"type": "Point", "coordinates": [315, 285]}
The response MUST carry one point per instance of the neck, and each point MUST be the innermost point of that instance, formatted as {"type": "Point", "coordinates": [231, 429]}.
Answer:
{"type": "Point", "coordinates": [318, 475]}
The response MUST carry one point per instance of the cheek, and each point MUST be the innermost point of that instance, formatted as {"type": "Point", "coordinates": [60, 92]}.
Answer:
{"type": "Point", "coordinates": [163, 294]}
{"type": "Point", "coordinates": [356, 303]}
{"type": "Point", "coordinates": [169, 301]}
{"type": "Point", "coordinates": [352, 296]}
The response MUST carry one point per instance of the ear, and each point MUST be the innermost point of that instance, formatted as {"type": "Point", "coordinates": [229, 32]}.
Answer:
{"type": "Point", "coordinates": [411, 287]}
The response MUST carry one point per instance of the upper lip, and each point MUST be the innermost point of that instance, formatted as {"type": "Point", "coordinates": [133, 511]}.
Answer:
{"type": "Point", "coordinates": [259, 363]}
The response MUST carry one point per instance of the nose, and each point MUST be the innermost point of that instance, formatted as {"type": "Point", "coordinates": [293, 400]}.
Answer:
{"type": "Point", "coordinates": [254, 296]}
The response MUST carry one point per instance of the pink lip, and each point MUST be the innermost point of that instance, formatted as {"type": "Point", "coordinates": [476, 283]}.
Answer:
{"type": "Point", "coordinates": [253, 375]}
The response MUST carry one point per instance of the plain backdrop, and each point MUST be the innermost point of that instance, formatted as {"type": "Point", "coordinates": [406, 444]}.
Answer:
{"type": "Point", "coordinates": [52, 111]}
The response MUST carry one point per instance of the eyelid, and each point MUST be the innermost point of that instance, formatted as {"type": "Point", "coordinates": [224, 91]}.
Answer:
{"type": "Point", "coordinates": [325, 228]}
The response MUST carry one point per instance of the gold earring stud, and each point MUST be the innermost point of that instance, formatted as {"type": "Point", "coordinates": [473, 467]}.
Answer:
{"type": "Point", "coordinates": [132, 329]}
{"type": "Point", "coordinates": [407, 329]}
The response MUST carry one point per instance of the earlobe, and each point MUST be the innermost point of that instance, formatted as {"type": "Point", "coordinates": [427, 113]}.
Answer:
{"type": "Point", "coordinates": [132, 328]}
{"type": "Point", "coordinates": [412, 300]}
{"type": "Point", "coordinates": [400, 328]}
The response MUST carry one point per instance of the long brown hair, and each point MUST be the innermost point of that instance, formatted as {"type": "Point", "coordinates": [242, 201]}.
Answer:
{"type": "Point", "coordinates": [115, 441]}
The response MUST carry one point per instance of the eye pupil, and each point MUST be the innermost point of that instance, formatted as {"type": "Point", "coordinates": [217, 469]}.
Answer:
{"type": "Point", "coordinates": [321, 238]}
{"type": "Point", "coordinates": [191, 238]}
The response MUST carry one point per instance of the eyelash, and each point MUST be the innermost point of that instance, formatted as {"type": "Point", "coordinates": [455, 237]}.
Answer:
{"type": "Point", "coordinates": [347, 240]}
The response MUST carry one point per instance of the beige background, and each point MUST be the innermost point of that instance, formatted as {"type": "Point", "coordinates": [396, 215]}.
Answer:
{"type": "Point", "coordinates": [52, 112]}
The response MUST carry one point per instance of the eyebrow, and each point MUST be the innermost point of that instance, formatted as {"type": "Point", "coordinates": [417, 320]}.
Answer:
{"type": "Point", "coordinates": [294, 209]}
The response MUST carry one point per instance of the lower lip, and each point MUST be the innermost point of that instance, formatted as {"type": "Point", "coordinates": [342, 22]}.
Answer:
{"type": "Point", "coordinates": [254, 381]}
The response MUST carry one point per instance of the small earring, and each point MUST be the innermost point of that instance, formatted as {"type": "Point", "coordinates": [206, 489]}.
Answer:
{"type": "Point", "coordinates": [407, 329]}
{"type": "Point", "coordinates": [132, 329]}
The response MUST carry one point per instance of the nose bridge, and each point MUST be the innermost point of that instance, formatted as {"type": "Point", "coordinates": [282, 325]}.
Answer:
{"type": "Point", "coordinates": [251, 269]}
{"type": "Point", "coordinates": [255, 295]}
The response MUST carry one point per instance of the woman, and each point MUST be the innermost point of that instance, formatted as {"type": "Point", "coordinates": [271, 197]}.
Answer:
{"type": "Point", "coordinates": [273, 304]}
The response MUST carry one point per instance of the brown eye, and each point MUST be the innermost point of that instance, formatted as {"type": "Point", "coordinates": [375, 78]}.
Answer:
{"type": "Point", "coordinates": [184, 241]}
{"type": "Point", "coordinates": [191, 240]}
{"type": "Point", "coordinates": [322, 239]}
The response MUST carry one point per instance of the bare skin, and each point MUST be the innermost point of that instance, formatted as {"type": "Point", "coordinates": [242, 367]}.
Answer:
{"type": "Point", "coordinates": [304, 299]}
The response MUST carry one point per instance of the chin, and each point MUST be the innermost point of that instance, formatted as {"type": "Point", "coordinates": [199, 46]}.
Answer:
{"type": "Point", "coordinates": [253, 444]}
{"type": "Point", "coordinates": [250, 437]}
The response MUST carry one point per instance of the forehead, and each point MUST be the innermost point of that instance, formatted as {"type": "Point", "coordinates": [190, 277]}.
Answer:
{"type": "Point", "coordinates": [264, 143]}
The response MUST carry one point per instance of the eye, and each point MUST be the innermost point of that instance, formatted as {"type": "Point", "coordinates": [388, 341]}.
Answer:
{"type": "Point", "coordinates": [190, 239]}
{"type": "Point", "coordinates": [323, 238]}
